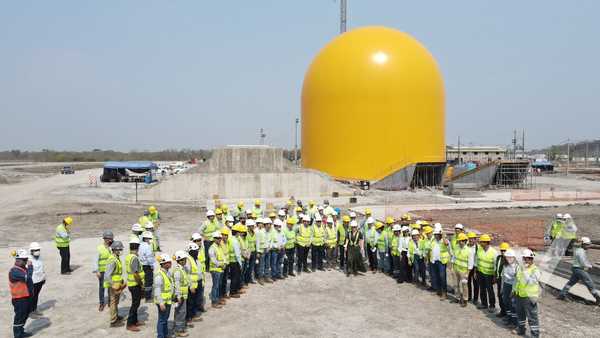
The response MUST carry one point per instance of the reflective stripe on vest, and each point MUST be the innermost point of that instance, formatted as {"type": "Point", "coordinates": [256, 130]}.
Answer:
{"type": "Point", "coordinates": [18, 289]}
{"type": "Point", "coordinates": [461, 264]}
{"type": "Point", "coordinates": [318, 235]}
{"type": "Point", "coordinates": [209, 229]}
{"type": "Point", "coordinates": [220, 258]}
{"type": "Point", "coordinates": [304, 234]}
{"type": "Point", "coordinates": [103, 256]}
{"type": "Point", "coordinates": [341, 234]}
{"type": "Point", "coordinates": [232, 258]}
{"type": "Point", "coordinates": [224, 250]}
{"type": "Point", "coordinates": [167, 292]}
{"type": "Point", "coordinates": [117, 274]}
{"type": "Point", "coordinates": [290, 237]}
{"type": "Point", "coordinates": [194, 277]}
{"type": "Point", "coordinates": [381, 241]}
{"type": "Point", "coordinates": [485, 261]}
{"type": "Point", "coordinates": [130, 275]}
{"type": "Point", "coordinates": [184, 282]}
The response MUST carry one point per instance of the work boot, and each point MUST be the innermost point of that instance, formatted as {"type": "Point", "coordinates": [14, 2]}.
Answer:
{"type": "Point", "coordinates": [481, 307]}
{"type": "Point", "coordinates": [260, 281]}
{"type": "Point", "coordinates": [216, 306]}
{"type": "Point", "coordinates": [306, 270]}
{"type": "Point", "coordinates": [221, 302]}
{"type": "Point", "coordinates": [501, 314]}
{"type": "Point", "coordinates": [101, 307]}
{"type": "Point", "coordinates": [235, 296]}
{"type": "Point", "coordinates": [27, 334]}
{"type": "Point", "coordinates": [133, 328]}
{"type": "Point", "coordinates": [292, 274]}
{"type": "Point", "coordinates": [226, 297]}
{"type": "Point", "coordinates": [116, 324]}
{"type": "Point", "coordinates": [253, 282]}
{"type": "Point", "coordinates": [444, 296]}
{"type": "Point", "coordinates": [463, 303]}
{"type": "Point", "coordinates": [140, 323]}
{"type": "Point", "coordinates": [181, 334]}
{"type": "Point", "coordinates": [597, 299]}
{"type": "Point", "coordinates": [197, 318]}
{"type": "Point", "coordinates": [491, 309]}
{"type": "Point", "coordinates": [268, 280]}
{"type": "Point", "coordinates": [189, 324]}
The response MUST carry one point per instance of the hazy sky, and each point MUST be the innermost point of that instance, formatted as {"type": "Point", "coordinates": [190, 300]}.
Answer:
{"type": "Point", "coordinates": [197, 74]}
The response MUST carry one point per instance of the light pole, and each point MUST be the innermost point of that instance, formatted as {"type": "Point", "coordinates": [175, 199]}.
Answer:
{"type": "Point", "coordinates": [296, 141]}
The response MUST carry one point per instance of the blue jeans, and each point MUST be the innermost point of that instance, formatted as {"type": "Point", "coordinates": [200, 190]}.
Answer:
{"type": "Point", "coordinates": [383, 262]}
{"type": "Point", "coordinates": [216, 285]}
{"type": "Point", "coordinates": [438, 278]}
{"type": "Point", "coordinates": [162, 327]}
{"type": "Point", "coordinates": [276, 258]}
{"type": "Point", "coordinates": [102, 291]}
{"type": "Point", "coordinates": [267, 265]}
{"type": "Point", "coordinates": [261, 266]}
{"type": "Point", "coordinates": [250, 267]}
{"type": "Point", "coordinates": [579, 274]}
{"type": "Point", "coordinates": [507, 299]}
{"type": "Point", "coordinates": [418, 269]}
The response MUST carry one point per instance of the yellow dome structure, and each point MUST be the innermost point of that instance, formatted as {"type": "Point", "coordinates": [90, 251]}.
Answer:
{"type": "Point", "coordinates": [372, 104]}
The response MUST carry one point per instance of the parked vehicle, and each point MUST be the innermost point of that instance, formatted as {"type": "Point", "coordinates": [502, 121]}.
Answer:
{"type": "Point", "coordinates": [67, 170]}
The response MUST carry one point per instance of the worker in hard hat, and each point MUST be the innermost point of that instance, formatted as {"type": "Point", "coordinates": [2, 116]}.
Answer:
{"type": "Point", "coordinates": [439, 257]}
{"type": "Point", "coordinates": [100, 260]}
{"type": "Point", "coordinates": [303, 244]}
{"type": "Point", "coordinates": [181, 285]}
{"type": "Point", "coordinates": [473, 283]}
{"type": "Point", "coordinates": [271, 238]}
{"type": "Point", "coordinates": [136, 231]}
{"type": "Point", "coordinates": [282, 215]}
{"type": "Point", "coordinates": [229, 222]}
{"type": "Point", "coordinates": [113, 281]}
{"type": "Point", "coordinates": [239, 211]}
{"type": "Point", "coordinates": [21, 290]}
{"type": "Point", "coordinates": [144, 219]}
{"type": "Point", "coordinates": [234, 251]}
{"type": "Point", "coordinates": [257, 209]}
{"type": "Point", "coordinates": [581, 266]}
{"type": "Point", "coordinates": [396, 243]}
{"type": "Point", "coordinates": [498, 267]}
{"type": "Point", "coordinates": [195, 263]}
{"type": "Point", "coordinates": [154, 216]}
{"type": "Point", "coordinates": [318, 241]}
{"type": "Point", "coordinates": [207, 229]}
{"type": "Point", "coordinates": [146, 257]}
{"type": "Point", "coordinates": [219, 218]}
{"type": "Point", "coordinates": [224, 245]}
{"type": "Point", "coordinates": [354, 249]}
{"type": "Point", "coordinates": [462, 263]}
{"type": "Point", "coordinates": [555, 227]}
{"type": "Point", "coordinates": [241, 233]}
{"type": "Point", "coordinates": [343, 229]}
{"type": "Point", "coordinates": [312, 209]}
{"type": "Point", "coordinates": [263, 257]}
{"type": "Point", "coordinates": [290, 248]}
{"type": "Point", "coordinates": [154, 242]}
{"type": "Point", "coordinates": [62, 239]}
{"type": "Point", "coordinates": [458, 229]}
{"type": "Point", "coordinates": [415, 258]}
{"type": "Point", "coordinates": [426, 252]}
{"type": "Point", "coordinates": [250, 271]}
{"type": "Point", "coordinates": [405, 219]}
{"type": "Point", "coordinates": [226, 211]}
{"type": "Point", "coordinates": [135, 283]}
{"type": "Point", "coordinates": [330, 242]}
{"type": "Point", "coordinates": [527, 291]}
{"type": "Point", "coordinates": [371, 244]}
{"type": "Point", "coordinates": [278, 250]}
{"type": "Point", "coordinates": [163, 294]}
{"type": "Point", "coordinates": [383, 243]}
{"type": "Point", "coordinates": [568, 234]}
{"type": "Point", "coordinates": [508, 280]}
{"type": "Point", "coordinates": [405, 268]}
{"type": "Point", "coordinates": [485, 258]}
{"type": "Point", "coordinates": [38, 276]}
{"type": "Point", "coordinates": [217, 264]}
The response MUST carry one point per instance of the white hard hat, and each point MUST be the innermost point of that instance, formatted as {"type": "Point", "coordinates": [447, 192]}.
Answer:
{"type": "Point", "coordinates": [567, 216]}
{"type": "Point", "coordinates": [259, 220]}
{"type": "Point", "coordinates": [250, 223]}
{"type": "Point", "coordinates": [305, 218]}
{"type": "Point", "coordinates": [229, 218]}
{"type": "Point", "coordinates": [196, 236]}
{"type": "Point", "coordinates": [277, 222]}
{"type": "Point", "coordinates": [248, 212]}
{"type": "Point", "coordinates": [164, 258]}
{"type": "Point", "coordinates": [333, 213]}
{"type": "Point", "coordinates": [267, 220]}
{"type": "Point", "coordinates": [510, 253]}
{"type": "Point", "coordinates": [217, 234]}
{"type": "Point", "coordinates": [437, 226]}
{"type": "Point", "coordinates": [134, 240]}
{"type": "Point", "coordinates": [352, 214]}
{"type": "Point", "coordinates": [459, 226]}
{"type": "Point", "coordinates": [281, 213]}
{"type": "Point", "coordinates": [370, 220]}
{"type": "Point", "coordinates": [584, 240]}
{"type": "Point", "coordinates": [180, 254]}
{"type": "Point", "coordinates": [136, 227]}
{"type": "Point", "coordinates": [22, 254]}
{"type": "Point", "coordinates": [396, 227]}
{"type": "Point", "coordinates": [527, 253]}
{"type": "Point", "coordinates": [353, 224]}
{"type": "Point", "coordinates": [330, 220]}
{"type": "Point", "coordinates": [559, 216]}
{"type": "Point", "coordinates": [318, 218]}
{"type": "Point", "coordinates": [149, 225]}
{"type": "Point", "coordinates": [405, 228]}
{"type": "Point", "coordinates": [36, 246]}
{"type": "Point", "coordinates": [210, 213]}
{"type": "Point", "coordinates": [414, 232]}
{"type": "Point", "coordinates": [418, 222]}
{"type": "Point", "coordinates": [320, 208]}
{"type": "Point", "coordinates": [437, 231]}
{"type": "Point", "coordinates": [193, 246]}
{"type": "Point", "coordinates": [147, 234]}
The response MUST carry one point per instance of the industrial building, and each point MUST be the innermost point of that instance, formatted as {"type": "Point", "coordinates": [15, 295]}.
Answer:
{"type": "Point", "coordinates": [479, 154]}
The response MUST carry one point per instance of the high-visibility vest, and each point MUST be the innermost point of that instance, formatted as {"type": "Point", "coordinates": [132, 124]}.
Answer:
{"type": "Point", "coordinates": [220, 258]}
{"type": "Point", "coordinates": [154, 244]}
{"type": "Point", "coordinates": [461, 262]}
{"type": "Point", "coordinates": [454, 243]}
{"type": "Point", "coordinates": [257, 211]}
{"type": "Point", "coordinates": [261, 238]}
{"type": "Point", "coordinates": [411, 250]}
{"type": "Point", "coordinates": [341, 234]}
{"type": "Point", "coordinates": [272, 237]}
{"type": "Point", "coordinates": [61, 242]}
{"type": "Point", "coordinates": [232, 258]}
{"type": "Point", "coordinates": [566, 233]}
{"type": "Point", "coordinates": [130, 275]}
{"type": "Point", "coordinates": [117, 274]}
{"type": "Point", "coordinates": [304, 234]}
{"type": "Point", "coordinates": [153, 217]}
{"type": "Point", "coordinates": [395, 240]}
{"type": "Point", "coordinates": [556, 228]}
{"type": "Point", "coordinates": [18, 289]}
{"type": "Point", "coordinates": [522, 289]}
{"type": "Point", "coordinates": [331, 239]}
{"type": "Point", "coordinates": [225, 251]}
{"type": "Point", "coordinates": [290, 238]}
{"type": "Point", "coordinates": [243, 245]}
{"type": "Point", "coordinates": [251, 242]}
{"type": "Point", "coordinates": [184, 282]}
{"type": "Point", "coordinates": [372, 237]}
{"type": "Point", "coordinates": [167, 291]}
{"type": "Point", "coordinates": [353, 241]}
{"type": "Point", "coordinates": [444, 254]}
{"type": "Point", "coordinates": [209, 229]}
{"type": "Point", "coordinates": [382, 242]}
{"type": "Point", "coordinates": [318, 235]}
{"type": "Point", "coordinates": [143, 220]}
{"type": "Point", "coordinates": [103, 256]}
{"type": "Point", "coordinates": [193, 275]}
{"type": "Point", "coordinates": [486, 260]}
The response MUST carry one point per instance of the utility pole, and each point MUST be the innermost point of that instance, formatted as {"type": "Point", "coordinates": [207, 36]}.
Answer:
{"type": "Point", "coordinates": [514, 142]}
{"type": "Point", "coordinates": [523, 144]}
{"type": "Point", "coordinates": [296, 142]}
{"type": "Point", "coordinates": [343, 15]}
{"type": "Point", "coordinates": [262, 136]}
{"type": "Point", "coordinates": [568, 155]}
{"type": "Point", "coordinates": [458, 158]}
{"type": "Point", "coordinates": [586, 153]}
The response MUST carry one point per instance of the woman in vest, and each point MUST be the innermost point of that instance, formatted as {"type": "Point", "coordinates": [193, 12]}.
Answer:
{"type": "Point", "coordinates": [21, 287]}
{"type": "Point", "coordinates": [354, 247]}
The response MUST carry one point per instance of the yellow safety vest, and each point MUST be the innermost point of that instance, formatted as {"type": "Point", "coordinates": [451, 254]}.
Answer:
{"type": "Point", "coordinates": [251, 242]}
{"type": "Point", "coordinates": [341, 234]}
{"type": "Point", "coordinates": [522, 289]}
{"type": "Point", "coordinates": [103, 256]}
{"type": "Point", "coordinates": [184, 282]}
{"type": "Point", "coordinates": [130, 275]}
{"type": "Point", "coordinates": [220, 258]}
{"type": "Point", "coordinates": [209, 229]}
{"type": "Point", "coordinates": [303, 237]}
{"type": "Point", "coordinates": [444, 254]}
{"type": "Point", "coordinates": [167, 292]}
{"type": "Point", "coordinates": [461, 255]}
{"type": "Point", "coordinates": [61, 242]}
{"type": "Point", "coordinates": [318, 234]}
{"type": "Point", "coordinates": [485, 261]}
{"type": "Point", "coordinates": [394, 248]}
{"type": "Point", "coordinates": [194, 278]}
{"type": "Point", "coordinates": [117, 275]}
{"type": "Point", "coordinates": [331, 236]}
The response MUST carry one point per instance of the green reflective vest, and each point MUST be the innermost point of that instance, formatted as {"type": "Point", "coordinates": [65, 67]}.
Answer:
{"type": "Point", "coordinates": [556, 229]}
{"type": "Point", "coordinates": [117, 274]}
{"type": "Point", "coordinates": [524, 289]}
{"type": "Point", "coordinates": [261, 238]}
{"type": "Point", "coordinates": [486, 260]}
{"type": "Point", "coordinates": [444, 254]}
{"type": "Point", "coordinates": [395, 251]}
{"type": "Point", "coordinates": [103, 256]}
{"type": "Point", "coordinates": [382, 242]}
{"type": "Point", "coordinates": [184, 282]}
{"type": "Point", "coordinates": [372, 237]}
{"type": "Point", "coordinates": [130, 274]}
{"type": "Point", "coordinates": [341, 234]}
{"type": "Point", "coordinates": [167, 291]}
{"type": "Point", "coordinates": [230, 249]}
{"type": "Point", "coordinates": [193, 275]}
{"type": "Point", "coordinates": [153, 217]}
{"type": "Point", "coordinates": [220, 258]}
{"type": "Point", "coordinates": [318, 235]}
{"type": "Point", "coordinates": [304, 234]}
{"type": "Point", "coordinates": [209, 228]}
{"type": "Point", "coordinates": [331, 236]}
{"type": "Point", "coordinates": [411, 250]}
{"type": "Point", "coordinates": [61, 242]}
{"type": "Point", "coordinates": [290, 237]}
{"type": "Point", "coordinates": [461, 262]}
{"type": "Point", "coordinates": [225, 250]}
{"type": "Point", "coordinates": [251, 241]}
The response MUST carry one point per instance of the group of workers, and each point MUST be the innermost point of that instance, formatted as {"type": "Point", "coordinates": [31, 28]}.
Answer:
{"type": "Point", "coordinates": [240, 247]}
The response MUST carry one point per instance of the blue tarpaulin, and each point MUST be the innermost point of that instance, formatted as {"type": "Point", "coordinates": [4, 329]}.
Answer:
{"type": "Point", "coordinates": [131, 165]}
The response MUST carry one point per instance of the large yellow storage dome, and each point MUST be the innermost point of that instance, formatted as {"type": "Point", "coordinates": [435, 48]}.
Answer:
{"type": "Point", "coordinates": [372, 104]}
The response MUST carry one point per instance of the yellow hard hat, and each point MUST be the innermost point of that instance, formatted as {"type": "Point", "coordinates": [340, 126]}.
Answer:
{"type": "Point", "coordinates": [236, 227]}
{"type": "Point", "coordinates": [218, 211]}
{"type": "Point", "coordinates": [298, 209]}
{"type": "Point", "coordinates": [243, 228]}
{"type": "Point", "coordinates": [224, 207]}
{"type": "Point", "coordinates": [389, 220]}
{"type": "Point", "coordinates": [272, 214]}
{"type": "Point", "coordinates": [378, 225]}
{"type": "Point", "coordinates": [504, 246]}
{"type": "Point", "coordinates": [257, 202]}
{"type": "Point", "coordinates": [462, 236]}
{"type": "Point", "coordinates": [427, 229]}
{"type": "Point", "coordinates": [415, 225]}
{"type": "Point", "coordinates": [225, 231]}
{"type": "Point", "coordinates": [152, 209]}
{"type": "Point", "coordinates": [291, 220]}
{"type": "Point", "coordinates": [424, 223]}
{"type": "Point", "coordinates": [289, 202]}
{"type": "Point", "coordinates": [346, 218]}
{"type": "Point", "coordinates": [68, 220]}
{"type": "Point", "coordinates": [240, 204]}
{"type": "Point", "coordinates": [485, 238]}
{"type": "Point", "coordinates": [368, 211]}
{"type": "Point", "coordinates": [471, 235]}
{"type": "Point", "coordinates": [311, 202]}
{"type": "Point", "coordinates": [406, 217]}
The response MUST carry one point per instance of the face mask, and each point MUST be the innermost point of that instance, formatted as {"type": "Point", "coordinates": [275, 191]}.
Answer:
{"type": "Point", "coordinates": [194, 254]}
{"type": "Point", "coordinates": [35, 253]}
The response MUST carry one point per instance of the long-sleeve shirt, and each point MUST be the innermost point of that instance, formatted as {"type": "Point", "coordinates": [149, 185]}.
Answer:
{"type": "Point", "coordinates": [473, 254]}
{"type": "Point", "coordinates": [16, 275]}
{"type": "Point", "coordinates": [39, 274]}
{"type": "Point", "coordinates": [508, 273]}
{"type": "Point", "coordinates": [159, 284]}
{"type": "Point", "coordinates": [580, 259]}
{"type": "Point", "coordinates": [403, 244]}
{"type": "Point", "coordinates": [281, 240]}
{"type": "Point", "coordinates": [533, 278]}
{"type": "Point", "coordinates": [435, 252]}
{"type": "Point", "coordinates": [110, 268]}
{"type": "Point", "coordinates": [212, 253]}
{"type": "Point", "coordinates": [145, 254]}
{"type": "Point", "coordinates": [177, 277]}
{"type": "Point", "coordinates": [237, 251]}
